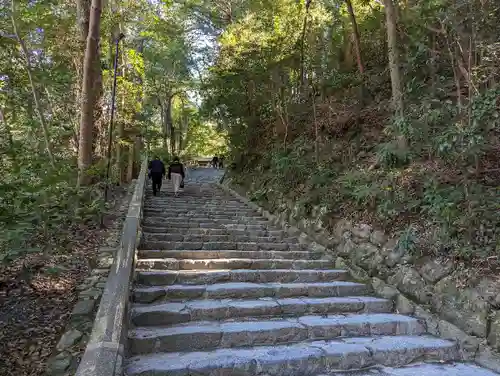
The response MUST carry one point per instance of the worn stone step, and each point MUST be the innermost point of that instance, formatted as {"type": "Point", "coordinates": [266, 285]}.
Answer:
{"type": "Point", "coordinates": [218, 238]}
{"type": "Point", "coordinates": [239, 246]}
{"type": "Point", "coordinates": [187, 200]}
{"type": "Point", "coordinates": [215, 229]}
{"type": "Point", "coordinates": [195, 220]}
{"type": "Point", "coordinates": [421, 369]}
{"type": "Point", "coordinates": [210, 226]}
{"type": "Point", "coordinates": [201, 208]}
{"type": "Point", "coordinates": [208, 309]}
{"type": "Point", "coordinates": [198, 277]}
{"type": "Point", "coordinates": [210, 335]}
{"type": "Point", "coordinates": [205, 218]}
{"type": "Point", "coordinates": [148, 229]}
{"type": "Point", "coordinates": [204, 255]}
{"type": "Point", "coordinates": [299, 359]}
{"type": "Point", "coordinates": [200, 212]}
{"type": "Point", "coordinates": [203, 222]}
{"type": "Point", "coordinates": [239, 290]}
{"type": "Point", "coordinates": [229, 264]}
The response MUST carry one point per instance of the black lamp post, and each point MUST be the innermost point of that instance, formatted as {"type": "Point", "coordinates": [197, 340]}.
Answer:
{"type": "Point", "coordinates": [110, 129]}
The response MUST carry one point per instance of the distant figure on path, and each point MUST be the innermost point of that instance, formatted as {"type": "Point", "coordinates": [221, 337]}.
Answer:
{"type": "Point", "coordinates": [157, 172]}
{"type": "Point", "coordinates": [176, 174]}
{"type": "Point", "coordinates": [221, 162]}
{"type": "Point", "coordinates": [215, 161]}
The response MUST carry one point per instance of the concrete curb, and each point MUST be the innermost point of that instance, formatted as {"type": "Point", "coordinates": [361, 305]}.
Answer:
{"type": "Point", "coordinates": [105, 350]}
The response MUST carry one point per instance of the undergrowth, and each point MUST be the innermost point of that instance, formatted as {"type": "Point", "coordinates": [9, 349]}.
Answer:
{"type": "Point", "coordinates": [442, 185]}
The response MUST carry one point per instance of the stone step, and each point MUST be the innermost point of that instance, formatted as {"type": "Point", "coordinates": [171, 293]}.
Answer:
{"type": "Point", "coordinates": [194, 220]}
{"type": "Point", "coordinates": [230, 264]}
{"type": "Point", "coordinates": [203, 222]}
{"type": "Point", "coordinates": [239, 290]}
{"type": "Point", "coordinates": [238, 246]}
{"type": "Point", "coordinates": [208, 309]}
{"type": "Point", "coordinates": [199, 207]}
{"type": "Point", "coordinates": [201, 212]}
{"type": "Point", "coordinates": [309, 358]}
{"type": "Point", "coordinates": [210, 335]}
{"type": "Point", "coordinates": [190, 201]}
{"type": "Point", "coordinates": [205, 255]}
{"type": "Point", "coordinates": [203, 218]}
{"type": "Point", "coordinates": [209, 226]}
{"type": "Point", "coordinates": [218, 238]}
{"type": "Point", "coordinates": [212, 231]}
{"type": "Point", "coordinates": [422, 369]}
{"type": "Point", "coordinates": [198, 277]}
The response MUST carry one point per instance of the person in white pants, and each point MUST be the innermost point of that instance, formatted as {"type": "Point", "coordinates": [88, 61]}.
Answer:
{"type": "Point", "coordinates": [176, 174]}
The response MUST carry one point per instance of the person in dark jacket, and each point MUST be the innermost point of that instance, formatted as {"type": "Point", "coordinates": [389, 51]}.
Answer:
{"type": "Point", "coordinates": [176, 174]}
{"type": "Point", "coordinates": [215, 161]}
{"type": "Point", "coordinates": [156, 172]}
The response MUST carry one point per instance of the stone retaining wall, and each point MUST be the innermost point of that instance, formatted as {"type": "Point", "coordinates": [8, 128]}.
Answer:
{"type": "Point", "coordinates": [454, 304]}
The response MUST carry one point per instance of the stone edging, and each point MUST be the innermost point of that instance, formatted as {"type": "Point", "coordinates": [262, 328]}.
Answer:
{"type": "Point", "coordinates": [473, 349]}
{"type": "Point", "coordinates": [105, 349]}
{"type": "Point", "coordinates": [65, 359]}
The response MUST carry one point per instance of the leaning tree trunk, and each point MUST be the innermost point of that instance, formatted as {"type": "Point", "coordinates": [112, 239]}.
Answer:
{"type": "Point", "coordinates": [359, 58]}
{"type": "Point", "coordinates": [87, 97]}
{"type": "Point", "coordinates": [357, 39]}
{"type": "Point", "coordinates": [34, 91]}
{"type": "Point", "coordinates": [393, 55]}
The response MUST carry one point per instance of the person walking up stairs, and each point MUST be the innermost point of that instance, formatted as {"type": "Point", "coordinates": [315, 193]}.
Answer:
{"type": "Point", "coordinates": [176, 174]}
{"type": "Point", "coordinates": [156, 172]}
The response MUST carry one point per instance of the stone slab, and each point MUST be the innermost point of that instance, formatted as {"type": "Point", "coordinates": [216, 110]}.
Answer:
{"type": "Point", "coordinates": [287, 360]}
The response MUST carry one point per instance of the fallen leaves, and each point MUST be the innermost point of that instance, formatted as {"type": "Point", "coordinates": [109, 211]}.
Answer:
{"type": "Point", "coordinates": [37, 295]}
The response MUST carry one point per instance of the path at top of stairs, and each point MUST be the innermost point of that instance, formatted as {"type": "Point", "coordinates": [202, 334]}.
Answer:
{"type": "Point", "coordinates": [219, 290]}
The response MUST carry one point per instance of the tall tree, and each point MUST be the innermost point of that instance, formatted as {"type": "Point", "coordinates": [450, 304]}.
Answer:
{"type": "Point", "coordinates": [88, 95]}
{"type": "Point", "coordinates": [356, 37]}
{"type": "Point", "coordinates": [34, 89]}
{"type": "Point", "coordinates": [393, 55]}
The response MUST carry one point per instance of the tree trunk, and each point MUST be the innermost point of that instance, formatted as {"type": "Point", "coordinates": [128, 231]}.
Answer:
{"type": "Point", "coordinates": [82, 23]}
{"type": "Point", "coordinates": [83, 20]}
{"type": "Point", "coordinates": [169, 126]}
{"type": "Point", "coordinates": [357, 40]}
{"type": "Point", "coordinates": [359, 59]}
{"type": "Point", "coordinates": [87, 97]}
{"type": "Point", "coordinates": [130, 164]}
{"type": "Point", "coordinates": [45, 129]}
{"type": "Point", "coordinates": [302, 81]}
{"type": "Point", "coordinates": [393, 55]}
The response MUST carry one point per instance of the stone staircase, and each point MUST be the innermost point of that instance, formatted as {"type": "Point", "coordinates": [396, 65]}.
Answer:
{"type": "Point", "coordinates": [221, 291]}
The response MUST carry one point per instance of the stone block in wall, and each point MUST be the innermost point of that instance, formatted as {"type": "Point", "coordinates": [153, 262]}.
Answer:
{"type": "Point", "coordinates": [463, 307]}
{"type": "Point", "coordinates": [409, 281]}
{"type": "Point", "coordinates": [340, 227]}
{"type": "Point", "coordinates": [487, 358]}
{"type": "Point", "coordinates": [378, 238]}
{"type": "Point", "coordinates": [469, 345]}
{"type": "Point", "coordinates": [494, 334]}
{"type": "Point", "coordinates": [361, 231]}
{"type": "Point", "coordinates": [363, 254]}
{"type": "Point", "coordinates": [433, 270]}
{"type": "Point", "coordinates": [404, 305]}
{"type": "Point", "coordinates": [431, 322]}
{"type": "Point", "coordinates": [383, 290]}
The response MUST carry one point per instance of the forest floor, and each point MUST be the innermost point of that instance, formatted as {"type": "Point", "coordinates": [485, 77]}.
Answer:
{"type": "Point", "coordinates": [37, 295]}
